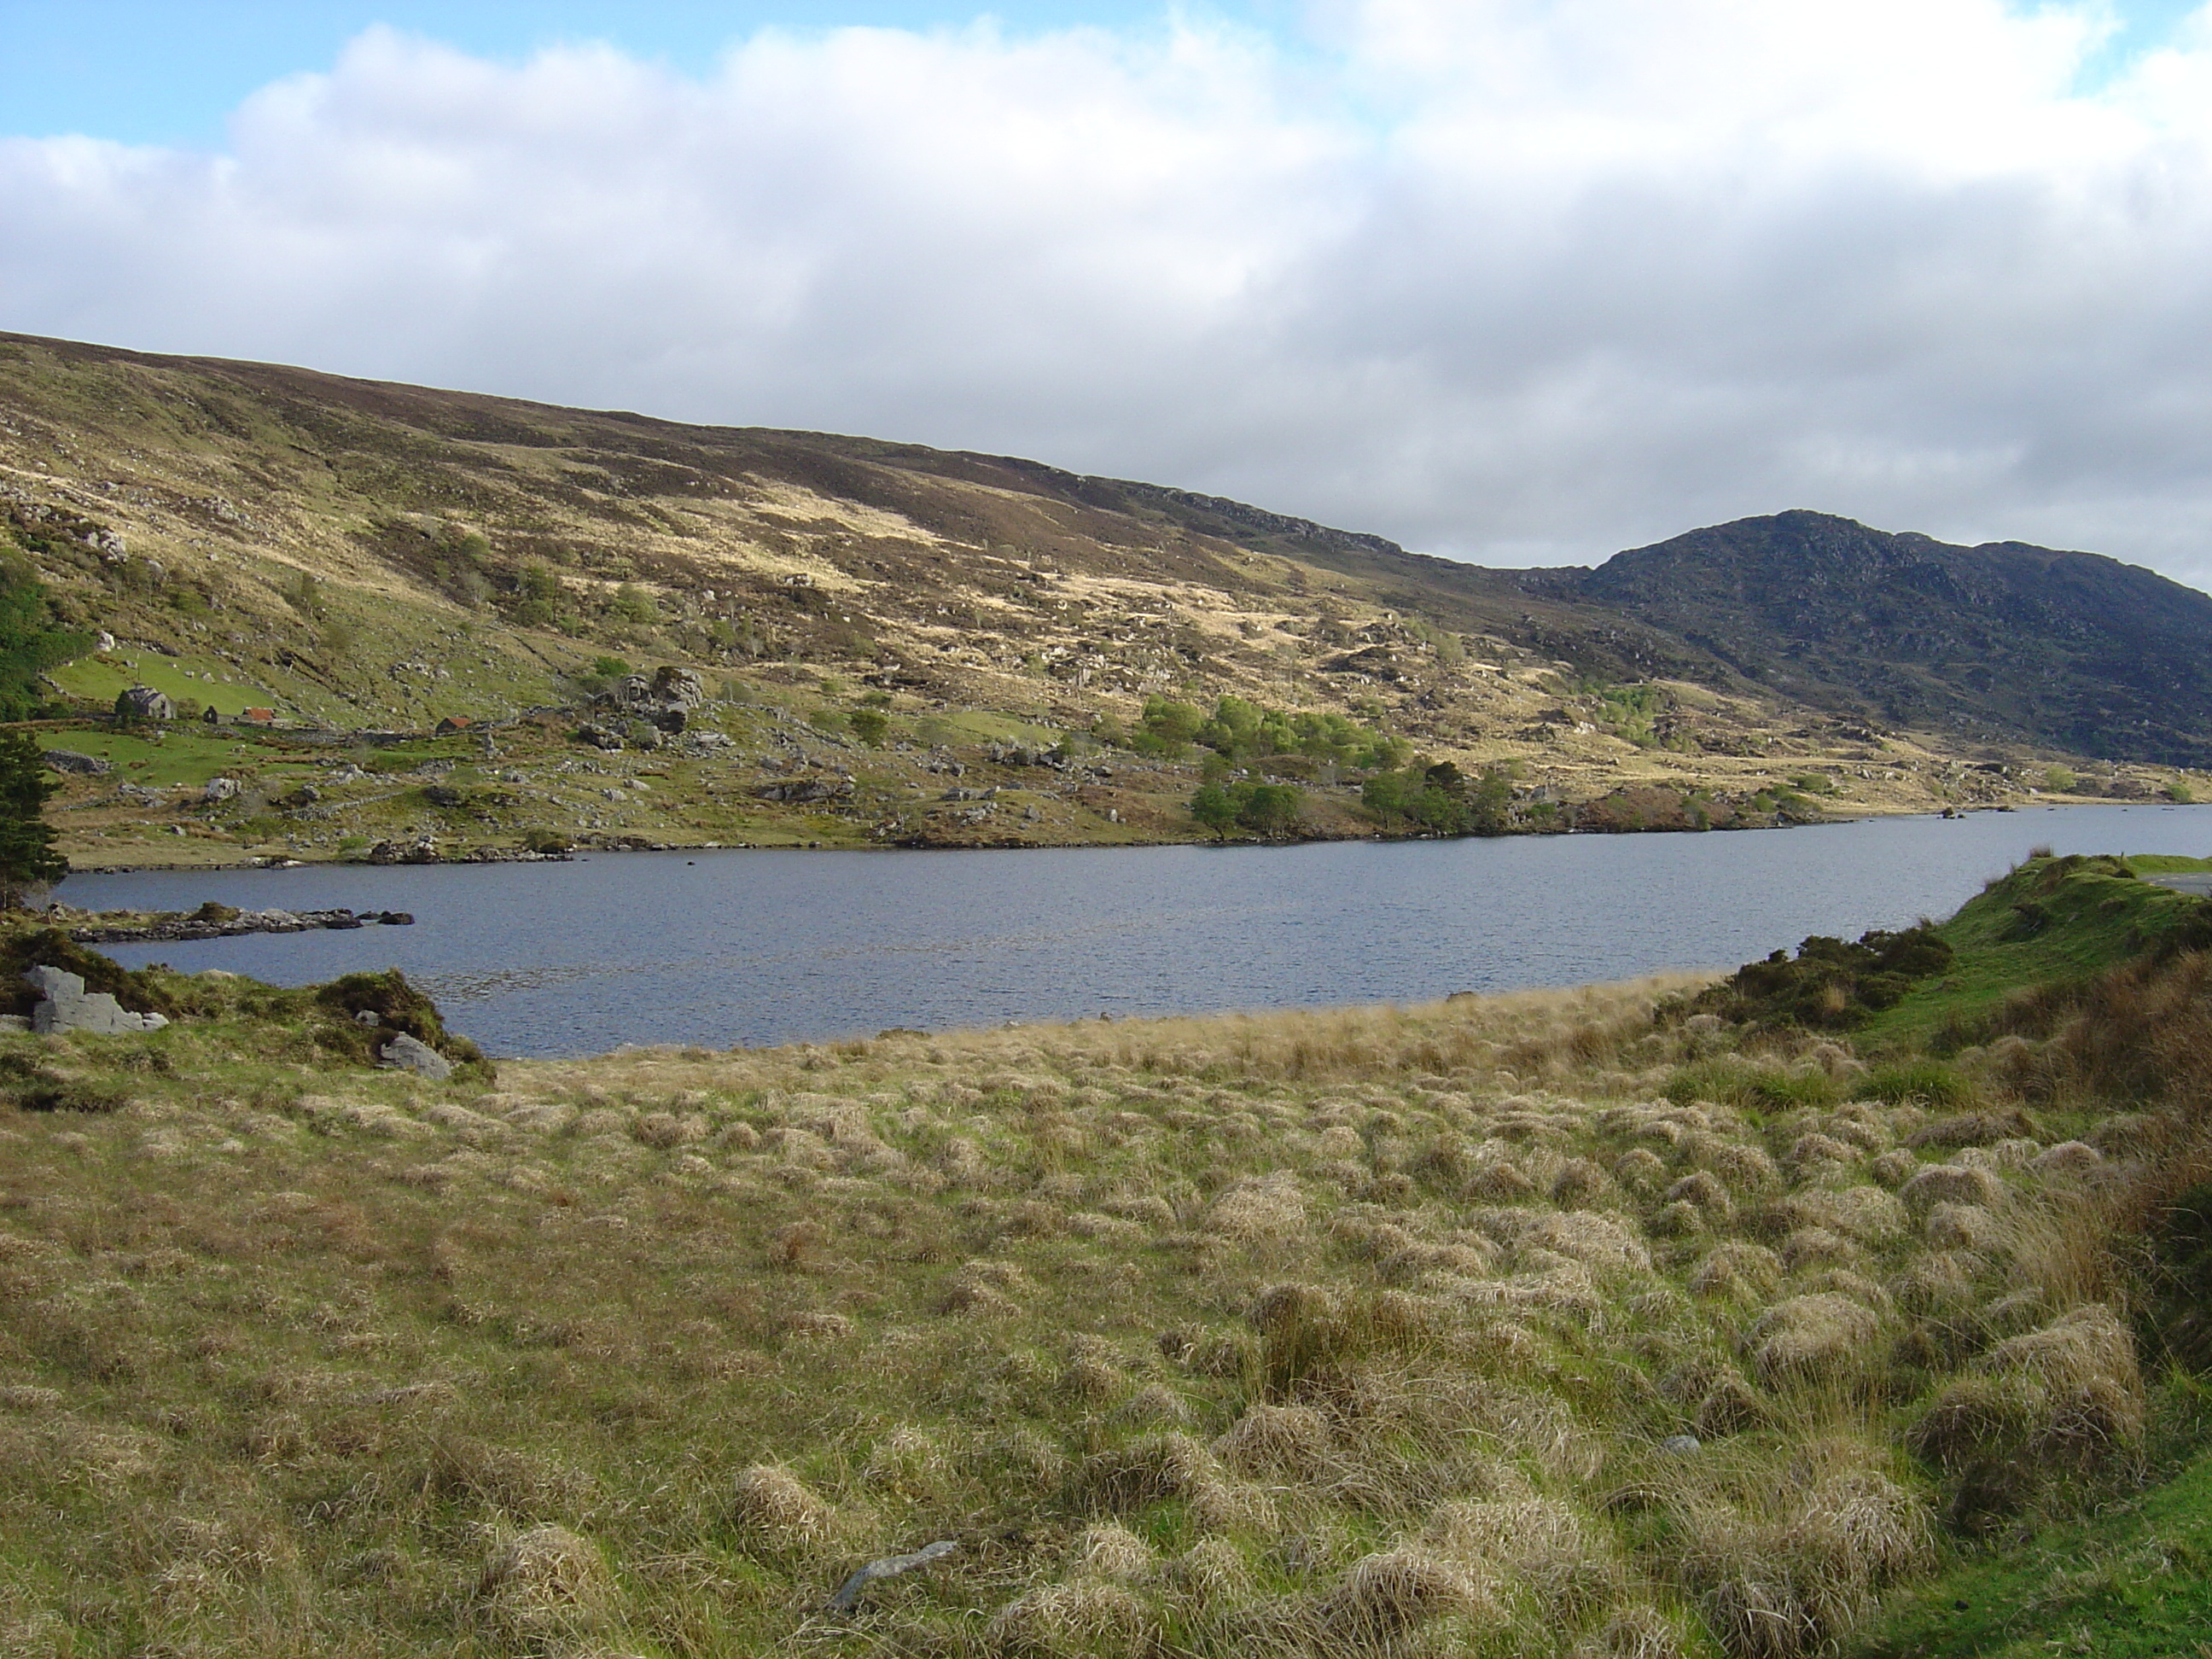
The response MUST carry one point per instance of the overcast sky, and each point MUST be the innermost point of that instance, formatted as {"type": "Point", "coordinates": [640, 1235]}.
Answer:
{"type": "Point", "coordinates": [1505, 280]}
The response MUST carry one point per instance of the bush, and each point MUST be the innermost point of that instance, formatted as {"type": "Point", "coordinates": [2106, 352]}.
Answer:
{"type": "Point", "coordinates": [1441, 798]}
{"type": "Point", "coordinates": [31, 1087]}
{"type": "Point", "coordinates": [1831, 985]}
{"type": "Point", "coordinates": [1929, 1082]}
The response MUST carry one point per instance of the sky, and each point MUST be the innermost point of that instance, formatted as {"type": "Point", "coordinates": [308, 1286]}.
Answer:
{"type": "Point", "coordinates": [1515, 280]}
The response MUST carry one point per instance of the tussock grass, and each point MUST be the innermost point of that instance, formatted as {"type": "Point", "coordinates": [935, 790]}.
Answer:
{"type": "Point", "coordinates": [1363, 1331]}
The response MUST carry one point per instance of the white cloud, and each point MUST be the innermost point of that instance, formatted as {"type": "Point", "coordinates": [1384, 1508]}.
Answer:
{"type": "Point", "coordinates": [1501, 279]}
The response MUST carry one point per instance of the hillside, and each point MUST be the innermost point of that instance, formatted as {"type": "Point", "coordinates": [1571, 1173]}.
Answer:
{"type": "Point", "coordinates": [2001, 641]}
{"type": "Point", "coordinates": [1572, 1325]}
{"type": "Point", "coordinates": [872, 627]}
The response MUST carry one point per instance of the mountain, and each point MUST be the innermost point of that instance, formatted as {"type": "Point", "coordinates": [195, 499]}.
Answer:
{"type": "Point", "coordinates": [2003, 640]}
{"type": "Point", "coordinates": [867, 616]}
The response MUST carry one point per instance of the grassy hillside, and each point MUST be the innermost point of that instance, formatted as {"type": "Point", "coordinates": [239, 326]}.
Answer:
{"type": "Point", "coordinates": [365, 557]}
{"type": "Point", "coordinates": [1532, 1325]}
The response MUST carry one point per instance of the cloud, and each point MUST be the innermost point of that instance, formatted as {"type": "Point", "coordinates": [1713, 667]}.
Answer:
{"type": "Point", "coordinates": [1505, 280]}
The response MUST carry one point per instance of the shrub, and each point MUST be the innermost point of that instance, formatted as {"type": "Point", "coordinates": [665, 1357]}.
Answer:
{"type": "Point", "coordinates": [1924, 1082]}
{"type": "Point", "coordinates": [1831, 985]}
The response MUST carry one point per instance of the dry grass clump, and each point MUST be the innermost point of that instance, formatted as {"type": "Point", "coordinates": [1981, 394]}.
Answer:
{"type": "Point", "coordinates": [1784, 1566]}
{"type": "Point", "coordinates": [772, 1509]}
{"type": "Point", "coordinates": [1291, 1442]}
{"type": "Point", "coordinates": [1088, 1615]}
{"type": "Point", "coordinates": [1340, 1335]}
{"type": "Point", "coordinates": [1259, 1206]}
{"type": "Point", "coordinates": [1392, 1592]}
{"type": "Point", "coordinates": [546, 1582]}
{"type": "Point", "coordinates": [1112, 1551]}
{"type": "Point", "coordinates": [1952, 1183]}
{"type": "Point", "coordinates": [2064, 1398]}
{"type": "Point", "coordinates": [1635, 1631]}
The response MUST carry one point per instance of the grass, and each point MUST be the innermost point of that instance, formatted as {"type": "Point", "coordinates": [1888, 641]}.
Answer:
{"type": "Point", "coordinates": [2051, 919]}
{"type": "Point", "coordinates": [1322, 1334]}
{"type": "Point", "coordinates": [2134, 1584]}
{"type": "Point", "coordinates": [1532, 1325]}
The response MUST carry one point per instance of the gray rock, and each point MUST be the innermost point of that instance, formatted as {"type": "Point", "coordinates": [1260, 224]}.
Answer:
{"type": "Point", "coordinates": [68, 760]}
{"type": "Point", "coordinates": [402, 1053]}
{"type": "Point", "coordinates": [219, 790]}
{"type": "Point", "coordinates": [679, 686]}
{"type": "Point", "coordinates": [67, 1007]}
{"type": "Point", "coordinates": [54, 981]}
{"type": "Point", "coordinates": [889, 1566]}
{"type": "Point", "coordinates": [1680, 1445]}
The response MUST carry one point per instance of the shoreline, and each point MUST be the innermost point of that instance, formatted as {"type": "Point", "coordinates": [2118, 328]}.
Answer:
{"type": "Point", "coordinates": [110, 866]}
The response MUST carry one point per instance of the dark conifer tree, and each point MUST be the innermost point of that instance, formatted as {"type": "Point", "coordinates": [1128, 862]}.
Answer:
{"type": "Point", "coordinates": [28, 859]}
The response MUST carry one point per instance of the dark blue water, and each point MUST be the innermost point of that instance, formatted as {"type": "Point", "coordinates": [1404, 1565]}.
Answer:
{"type": "Point", "coordinates": [761, 947]}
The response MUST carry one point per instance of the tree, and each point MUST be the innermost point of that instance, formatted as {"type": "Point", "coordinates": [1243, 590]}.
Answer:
{"type": "Point", "coordinates": [29, 643]}
{"type": "Point", "coordinates": [1212, 807]}
{"type": "Point", "coordinates": [1270, 809]}
{"type": "Point", "coordinates": [28, 859]}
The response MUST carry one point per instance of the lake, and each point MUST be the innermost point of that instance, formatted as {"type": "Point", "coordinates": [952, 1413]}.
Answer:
{"type": "Point", "coordinates": [728, 948]}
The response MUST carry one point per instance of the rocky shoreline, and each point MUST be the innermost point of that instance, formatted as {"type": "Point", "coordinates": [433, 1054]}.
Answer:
{"type": "Point", "coordinates": [213, 920]}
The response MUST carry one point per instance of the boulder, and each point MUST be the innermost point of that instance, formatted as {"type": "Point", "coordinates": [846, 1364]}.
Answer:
{"type": "Point", "coordinates": [402, 1053]}
{"type": "Point", "coordinates": [67, 1007]}
{"type": "Point", "coordinates": [68, 760]}
{"type": "Point", "coordinates": [678, 686]}
{"type": "Point", "coordinates": [218, 790]}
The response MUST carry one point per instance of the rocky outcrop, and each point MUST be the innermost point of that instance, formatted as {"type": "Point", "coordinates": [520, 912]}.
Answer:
{"type": "Point", "coordinates": [66, 1006]}
{"type": "Point", "coordinates": [800, 790]}
{"type": "Point", "coordinates": [69, 760]}
{"type": "Point", "coordinates": [220, 921]}
{"type": "Point", "coordinates": [423, 851]}
{"type": "Point", "coordinates": [652, 708]}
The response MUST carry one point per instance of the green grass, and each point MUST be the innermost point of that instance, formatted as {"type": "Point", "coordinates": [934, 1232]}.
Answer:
{"type": "Point", "coordinates": [2135, 1583]}
{"type": "Point", "coordinates": [98, 679]}
{"type": "Point", "coordinates": [186, 755]}
{"type": "Point", "coordinates": [2050, 920]}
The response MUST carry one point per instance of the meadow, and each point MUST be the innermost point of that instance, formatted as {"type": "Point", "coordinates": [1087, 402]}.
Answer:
{"type": "Point", "coordinates": [1591, 1323]}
